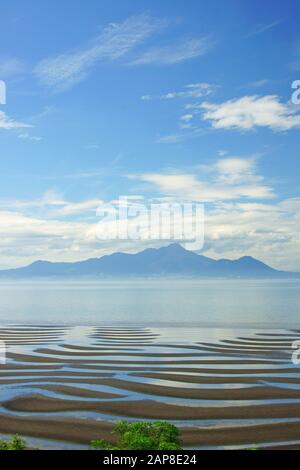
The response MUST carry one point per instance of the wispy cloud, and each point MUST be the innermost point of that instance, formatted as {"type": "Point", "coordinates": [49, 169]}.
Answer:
{"type": "Point", "coordinates": [8, 123]}
{"type": "Point", "coordinates": [27, 136]}
{"type": "Point", "coordinates": [92, 147]}
{"type": "Point", "coordinates": [114, 42]}
{"type": "Point", "coordinates": [193, 90]}
{"type": "Point", "coordinates": [263, 27]}
{"type": "Point", "coordinates": [187, 131]}
{"type": "Point", "coordinates": [42, 114]}
{"type": "Point", "coordinates": [54, 204]}
{"type": "Point", "coordinates": [249, 112]}
{"type": "Point", "coordinates": [257, 83]}
{"type": "Point", "coordinates": [187, 124]}
{"type": "Point", "coordinates": [82, 207]}
{"type": "Point", "coordinates": [170, 139]}
{"type": "Point", "coordinates": [173, 54]}
{"type": "Point", "coordinates": [186, 117]}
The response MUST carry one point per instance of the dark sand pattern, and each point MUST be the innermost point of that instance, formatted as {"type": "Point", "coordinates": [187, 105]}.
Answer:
{"type": "Point", "coordinates": [31, 336]}
{"type": "Point", "coordinates": [222, 389]}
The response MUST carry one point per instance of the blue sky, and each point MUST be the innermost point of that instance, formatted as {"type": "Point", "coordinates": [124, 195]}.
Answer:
{"type": "Point", "coordinates": [156, 99]}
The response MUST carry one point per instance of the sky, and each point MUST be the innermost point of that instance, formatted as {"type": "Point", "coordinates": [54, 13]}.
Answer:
{"type": "Point", "coordinates": [153, 101]}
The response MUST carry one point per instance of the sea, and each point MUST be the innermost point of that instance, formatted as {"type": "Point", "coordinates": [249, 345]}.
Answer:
{"type": "Point", "coordinates": [216, 303]}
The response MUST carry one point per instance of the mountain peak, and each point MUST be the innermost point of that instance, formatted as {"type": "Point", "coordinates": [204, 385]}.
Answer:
{"type": "Point", "coordinates": [250, 260]}
{"type": "Point", "coordinates": [39, 262]}
{"type": "Point", "coordinates": [247, 258]}
{"type": "Point", "coordinates": [175, 247]}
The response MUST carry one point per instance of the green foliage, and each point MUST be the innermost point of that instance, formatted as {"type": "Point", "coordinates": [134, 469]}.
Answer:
{"type": "Point", "coordinates": [16, 443]}
{"type": "Point", "coordinates": [159, 435]}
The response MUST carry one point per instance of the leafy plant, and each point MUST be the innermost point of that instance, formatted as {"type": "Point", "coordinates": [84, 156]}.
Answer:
{"type": "Point", "coordinates": [159, 435]}
{"type": "Point", "coordinates": [16, 443]}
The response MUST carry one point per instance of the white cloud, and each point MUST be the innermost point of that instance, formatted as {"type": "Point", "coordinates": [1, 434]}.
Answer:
{"type": "Point", "coordinates": [189, 187]}
{"type": "Point", "coordinates": [146, 97]}
{"type": "Point", "coordinates": [32, 230]}
{"type": "Point", "coordinates": [8, 123]}
{"type": "Point", "coordinates": [10, 67]}
{"type": "Point", "coordinates": [222, 152]}
{"type": "Point", "coordinates": [79, 207]}
{"type": "Point", "coordinates": [54, 205]}
{"type": "Point", "coordinates": [114, 42]}
{"type": "Point", "coordinates": [239, 217]}
{"type": "Point", "coordinates": [26, 238]}
{"type": "Point", "coordinates": [27, 136]}
{"type": "Point", "coordinates": [249, 112]}
{"type": "Point", "coordinates": [237, 170]}
{"type": "Point", "coordinates": [175, 53]}
{"type": "Point", "coordinates": [228, 179]}
{"type": "Point", "coordinates": [269, 232]}
{"type": "Point", "coordinates": [57, 230]}
{"type": "Point", "coordinates": [186, 121]}
{"type": "Point", "coordinates": [186, 117]}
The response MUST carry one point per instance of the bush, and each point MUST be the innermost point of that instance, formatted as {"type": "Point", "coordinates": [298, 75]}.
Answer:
{"type": "Point", "coordinates": [16, 443]}
{"type": "Point", "coordinates": [142, 436]}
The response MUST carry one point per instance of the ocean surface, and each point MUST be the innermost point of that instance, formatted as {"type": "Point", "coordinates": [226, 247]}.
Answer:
{"type": "Point", "coordinates": [221, 303]}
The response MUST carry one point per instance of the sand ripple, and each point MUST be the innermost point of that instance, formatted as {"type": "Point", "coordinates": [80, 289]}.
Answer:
{"type": "Point", "coordinates": [231, 390]}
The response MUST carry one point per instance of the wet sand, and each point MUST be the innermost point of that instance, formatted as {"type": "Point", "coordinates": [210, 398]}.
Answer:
{"type": "Point", "coordinates": [57, 360]}
{"type": "Point", "coordinates": [151, 409]}
{"type": "Point", "coordinates": [253, 393]}
{"type": "Point", "coordinates": [79, 392]}
{"type": "Point", "coordinates": [232, 382]}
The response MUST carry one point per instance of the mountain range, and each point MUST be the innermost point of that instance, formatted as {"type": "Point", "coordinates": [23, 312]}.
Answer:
{"type": "Point", "coordinates": [173, 260]}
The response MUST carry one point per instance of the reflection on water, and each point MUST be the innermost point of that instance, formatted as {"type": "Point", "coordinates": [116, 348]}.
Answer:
{"type": "Point", "coordinates": [206, 302]}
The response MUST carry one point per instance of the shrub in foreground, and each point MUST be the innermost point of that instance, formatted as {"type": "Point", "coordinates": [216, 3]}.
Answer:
{"type": "Point", "coordinates": [16, 443]}
{"type": "Point", "coordinates": [159, 435]}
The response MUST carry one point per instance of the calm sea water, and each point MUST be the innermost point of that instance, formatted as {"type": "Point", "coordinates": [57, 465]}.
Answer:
{"type": "Point", "coordinates": [205, 302]}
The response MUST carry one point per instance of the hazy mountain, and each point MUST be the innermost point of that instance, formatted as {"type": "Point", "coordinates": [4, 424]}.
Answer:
{"type": "Point", "coordinates": [172, 260]}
